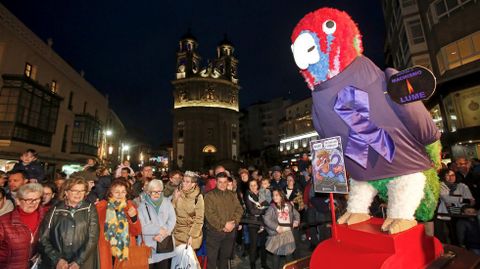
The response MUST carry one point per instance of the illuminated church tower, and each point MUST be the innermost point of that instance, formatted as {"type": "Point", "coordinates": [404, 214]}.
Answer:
{"type": "Point", "coordinates": [205, 114]}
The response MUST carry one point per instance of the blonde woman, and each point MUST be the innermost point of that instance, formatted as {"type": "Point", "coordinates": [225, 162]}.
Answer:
{"type": "Point", "coordinates": [189, 207]}
{"type": "Point", "coordinates": [69, 231]}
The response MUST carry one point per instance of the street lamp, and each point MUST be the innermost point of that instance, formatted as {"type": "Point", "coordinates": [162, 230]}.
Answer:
{"type": "Point", "coordinates": [108, 132]}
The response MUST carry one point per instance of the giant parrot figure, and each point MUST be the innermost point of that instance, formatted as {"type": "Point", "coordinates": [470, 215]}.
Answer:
{"type": "Point", "coordinates": [391, 150]}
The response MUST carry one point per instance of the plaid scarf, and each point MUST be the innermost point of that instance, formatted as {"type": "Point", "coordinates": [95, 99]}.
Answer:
{"type": "Point", "coordinates": [116, 229]}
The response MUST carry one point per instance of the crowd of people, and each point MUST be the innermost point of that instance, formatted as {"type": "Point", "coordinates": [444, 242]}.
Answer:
{"type": "Point", "coordinates": [93, 218]}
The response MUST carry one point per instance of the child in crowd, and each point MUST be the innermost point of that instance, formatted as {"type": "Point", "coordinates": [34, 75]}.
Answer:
{"type": "Point", "coordinates": [265, 194]}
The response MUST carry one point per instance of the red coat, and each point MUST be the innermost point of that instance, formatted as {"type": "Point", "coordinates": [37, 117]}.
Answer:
{"type": "Point", "coordinates": [14, 242]}
{"type": "Point", "coordinates": [104, 249]}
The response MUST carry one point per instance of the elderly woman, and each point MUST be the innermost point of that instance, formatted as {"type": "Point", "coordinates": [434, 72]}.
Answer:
{"type": "Point", "coordinates": [19, 228]}
{"type": "Point", "coordinates": [157, 217]}
{"type": "Point", "coordinates": [280, 218]}
{"type": "Point", "coordinates": [69, 231]}
{"type": "Point", "coordinates": [119, 224]}
{"type": "Point", "coordinates": [189, 207]}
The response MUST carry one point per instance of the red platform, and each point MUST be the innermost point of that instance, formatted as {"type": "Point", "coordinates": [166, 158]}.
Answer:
{"type": "Point", "coordinates": [364, 245]}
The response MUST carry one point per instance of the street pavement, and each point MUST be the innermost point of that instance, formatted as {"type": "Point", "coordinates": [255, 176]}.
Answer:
{"type": "Point", "coordinates": [244, 263]}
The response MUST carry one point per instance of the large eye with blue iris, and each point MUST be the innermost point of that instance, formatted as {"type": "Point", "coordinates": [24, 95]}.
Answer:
{"type": "Point", "coordinates": [329, 27]}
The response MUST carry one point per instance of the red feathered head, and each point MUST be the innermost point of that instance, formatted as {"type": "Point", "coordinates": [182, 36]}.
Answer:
{"type": "Point", "coordinates": [324, 42]}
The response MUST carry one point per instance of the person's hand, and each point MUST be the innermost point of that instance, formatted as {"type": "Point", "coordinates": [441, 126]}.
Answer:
{"type": "Point", "coordinates": [279, 229]}
{"type": "Point", "coordinates": [163, 233]}
{"type": "Point", "coordinates": [158, 238]}
{"type": "Point", "coordinates": [62, 264]}
{"type": "Point", "coordinates": [73, 265]}
{"type": "Point", "coordinates": [229, 226]}
{"type": "Point", "coordinates": [132, 212]}
{"type": "Point", "coordinates": [190, 240]}
{"type": "Point", "coordinates": [295, 224]}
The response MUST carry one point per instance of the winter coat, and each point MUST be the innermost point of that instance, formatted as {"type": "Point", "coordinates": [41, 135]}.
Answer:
{"type": "Point", "coordinates": [254, 209]}
{"type": "Point", "coordinates": [101, 186]}
{"type": "Point", "coordinates": [7, 207]}
{"type": "Point", "coordinates": [104, 248]}
{"type": "Point", "coordinates": [70, 234]}
{"type": "Point", "coordinates": [271, 218]}
{"type": "Point", "coordinates": [152, 222]}
{"type": "Point", "coordinates": [14, 242]}
{"type": "Point", "coordinates": [454, 201]}
{"type": "Point", "coordinates": [280, 185]}
{"type": "Point", "coordinates": [189, 207]}
{"type": "Point", "coordinates": [296, 198]}
{"type": "Point", "coordinates": [33, 170]}
{"type": "Point", "coordinates": [221, 207]}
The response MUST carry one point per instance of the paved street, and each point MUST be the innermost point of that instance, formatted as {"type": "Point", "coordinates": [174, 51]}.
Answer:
{"type": "Point", "coordinates": [243, 262]}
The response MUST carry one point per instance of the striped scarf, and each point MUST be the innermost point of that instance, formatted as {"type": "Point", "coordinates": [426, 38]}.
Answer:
{"type": "Point", "coordinates": [116, 229]}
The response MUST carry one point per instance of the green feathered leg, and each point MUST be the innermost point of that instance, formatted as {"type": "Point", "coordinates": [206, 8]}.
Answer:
{"type": "Point", "coordinates": [428, 204]}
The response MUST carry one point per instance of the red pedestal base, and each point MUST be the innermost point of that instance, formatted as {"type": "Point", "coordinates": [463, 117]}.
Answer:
{"type": "Point", "coordinates": [364, 245]}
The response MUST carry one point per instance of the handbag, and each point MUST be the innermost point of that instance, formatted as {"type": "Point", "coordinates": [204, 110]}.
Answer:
{"type": "Point", "coordinates": [166, 245]}
{"type": "Point", "coordinates": [137, 256]}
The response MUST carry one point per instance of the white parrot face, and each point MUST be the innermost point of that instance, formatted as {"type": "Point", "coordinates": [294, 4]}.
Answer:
{"type": "Point", "coordinates": [305, 51]}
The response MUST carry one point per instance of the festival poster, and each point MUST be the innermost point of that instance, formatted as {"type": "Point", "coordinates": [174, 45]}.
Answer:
{"type": "Point", "coordinates": [328, 165]}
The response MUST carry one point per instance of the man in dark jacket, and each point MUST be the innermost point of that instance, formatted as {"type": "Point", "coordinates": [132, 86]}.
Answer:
{"type": "Point", "coordinates": [31, 165]}
{"type": "Point", "coordinates": [223, 213]}
{"type": "Point", "coordinates": [277, 181]}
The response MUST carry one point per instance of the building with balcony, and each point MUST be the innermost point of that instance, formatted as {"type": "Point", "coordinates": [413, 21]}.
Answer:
{"type": "Point", "coordinates": [444, 36]}
{"type": "Point", "coordinates": [44, 103]}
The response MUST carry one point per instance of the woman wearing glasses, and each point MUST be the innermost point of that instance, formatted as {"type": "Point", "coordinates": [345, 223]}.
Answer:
{"type": "Point", "coordinates": [119, 225]}
{"type": "Point", "coordinates": [453, 195]}
{"type": "Point", "coordinates": [69, 231]}
{"type": "Point", "coordinates": [157, 217]}
{"type": "Point", "coordinates": [19, 228]}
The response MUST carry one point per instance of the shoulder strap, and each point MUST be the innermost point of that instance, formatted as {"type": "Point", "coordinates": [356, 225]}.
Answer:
{"type": "Point", "coordinates": [196, 197]}
{"type": "Point", "coordinates": [148, 212]}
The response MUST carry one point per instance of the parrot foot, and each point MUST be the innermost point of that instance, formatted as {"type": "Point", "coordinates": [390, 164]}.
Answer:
{"type": "Point", "coordinates": [386, 224]}
{"type": "Point", "coordinates": [400, 225]}
{"type": "Point", "coordinates": [352, 218]}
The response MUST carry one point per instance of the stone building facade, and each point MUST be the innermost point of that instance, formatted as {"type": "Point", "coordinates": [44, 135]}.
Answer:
{"type": "Point", "coordinates": [205, 114]}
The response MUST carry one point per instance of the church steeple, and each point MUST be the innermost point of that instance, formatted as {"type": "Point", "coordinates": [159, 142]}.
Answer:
{"type": "Point", "coordinates": [188, 59]}
{"type": "Point", "coordinates": [226, 62]}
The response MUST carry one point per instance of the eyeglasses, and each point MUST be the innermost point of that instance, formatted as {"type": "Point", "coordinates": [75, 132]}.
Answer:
{"type": "Point", "coordinates": [31, 201]}
{"type": "Point", "coordinates": [47, 194]}
{"type": "Point", "coordinates": [155, 192]}
{"type": "Point", "coordinates": [77, 191]}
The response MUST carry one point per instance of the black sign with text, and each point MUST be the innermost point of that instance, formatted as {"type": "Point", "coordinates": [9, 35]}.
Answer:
{"type": "Point", "coordinates": [412, 84]}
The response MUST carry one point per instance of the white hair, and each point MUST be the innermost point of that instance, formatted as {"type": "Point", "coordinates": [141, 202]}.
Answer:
{"type": "Point", "coordinates": [30, 187]}
{"type": "Point", "coordinates": [154, 183]}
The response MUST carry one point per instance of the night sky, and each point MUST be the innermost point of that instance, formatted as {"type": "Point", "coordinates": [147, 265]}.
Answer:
{"type": "Point", "coordinates": [127, 48]}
